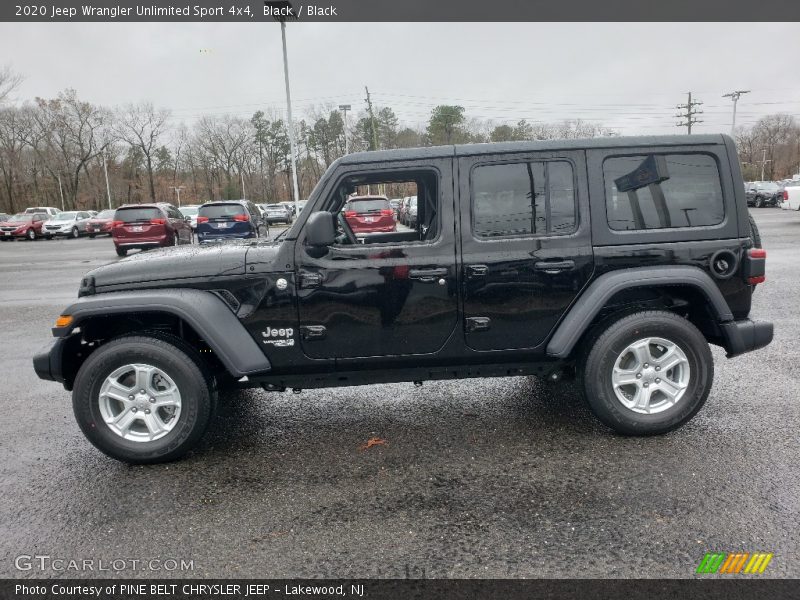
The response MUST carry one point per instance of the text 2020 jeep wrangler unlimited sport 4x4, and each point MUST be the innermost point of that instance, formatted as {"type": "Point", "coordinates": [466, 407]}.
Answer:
{"type": "Point", "coordinates": [620, 258]}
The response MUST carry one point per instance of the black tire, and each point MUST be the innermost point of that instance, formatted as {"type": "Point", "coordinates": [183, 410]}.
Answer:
{"type": "Point", "coordinates": [180, 363]}
{"type": "Point", "coordinates": [122, 252]}
{"type": "Point", "coordinates": [759, 202]}
{"type": "Point", "coordinates": [30, 235]}
{"type": "Point", "coordinates": [75, 234]}
{"type": "Point", "coordinates": [609, 340]}
{"type": "Point", "coordinates": [48, 237]}
{"type": "Point", "coordinates": [754, 233]}
{"type": "Point", "coordinates": [92, 236]}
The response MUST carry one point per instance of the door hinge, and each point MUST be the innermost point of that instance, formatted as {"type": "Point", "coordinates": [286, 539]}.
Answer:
{"type": "Point", "coordinates": [477, 324]}
{"type": "Point", "coordinates": [313, 332]}
{"type": "Point", "coordinates": [309, 279]}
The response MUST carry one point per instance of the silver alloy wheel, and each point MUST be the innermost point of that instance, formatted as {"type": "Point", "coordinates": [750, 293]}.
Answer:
{"type": "Point", "coordinates": [31, 234]}
{"type": "Point", "coordinates": [140, 402]}
{"type": "Point", "coordinates": [651, 375]}
{"type": "Point", "coordinates": [75, 233]}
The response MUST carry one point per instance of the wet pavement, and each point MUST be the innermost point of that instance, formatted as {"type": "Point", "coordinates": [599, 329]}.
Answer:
{"type": "Point", "coordinates": [480, 478]}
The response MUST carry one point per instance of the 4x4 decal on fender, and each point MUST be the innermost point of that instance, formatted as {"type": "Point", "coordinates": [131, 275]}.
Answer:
{"type": "Point", "coordinates": [280, 338]}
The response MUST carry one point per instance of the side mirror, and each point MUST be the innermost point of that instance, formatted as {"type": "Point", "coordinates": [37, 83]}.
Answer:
{"type": "Point", "coordinates": [320, 232]}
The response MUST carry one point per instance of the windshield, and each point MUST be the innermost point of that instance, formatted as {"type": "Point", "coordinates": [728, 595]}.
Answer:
{"type": "Point", "coordinates": [16, 218]}
{"type": "Point", "coordinates": [132, 215]}
{"type": "Point", "coordinates": [65, 216]}
{"type": "Point", "coordinates": [188, 211]}
{"type": "Point", "coordinates": [367, 205]}
{"type": "Point", "coordinates": [105, 214]}
{"type": "Point", "coordinates": [221, 211]}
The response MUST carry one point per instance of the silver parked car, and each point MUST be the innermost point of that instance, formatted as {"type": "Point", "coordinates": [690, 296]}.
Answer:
{"type": "Point", "coordinates": [71, 223]}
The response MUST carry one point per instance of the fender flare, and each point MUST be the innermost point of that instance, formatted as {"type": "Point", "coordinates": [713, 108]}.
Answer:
{"type": "Point", "coordinates": [207, 314]}
{"type": "Point", "coordinates": [586, 308]}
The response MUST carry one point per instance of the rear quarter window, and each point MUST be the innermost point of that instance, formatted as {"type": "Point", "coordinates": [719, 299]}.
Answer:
{"type": "Point", "coordinates": [660, 191]}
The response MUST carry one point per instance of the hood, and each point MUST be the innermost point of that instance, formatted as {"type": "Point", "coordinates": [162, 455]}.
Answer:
{"type": "Point", "coordinates": [184, 264]}
{"type": "Point", "coordinates": [16, 223]}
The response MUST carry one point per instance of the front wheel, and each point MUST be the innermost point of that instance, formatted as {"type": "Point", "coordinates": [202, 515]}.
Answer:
{"type": "Point", "coordinates": [647, 373]}
{"type": "Point", "coordinates": [30, 234]}
{"type": "Point", "coordinates": [142, 399]}
{"type": "Point", "coordinates": [759, 202]}
{"type": "Point", "coordinates": [75, 234]}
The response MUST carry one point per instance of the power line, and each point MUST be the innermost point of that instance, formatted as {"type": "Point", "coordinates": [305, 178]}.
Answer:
{"type": "Point", "coordinates": [691, 113]}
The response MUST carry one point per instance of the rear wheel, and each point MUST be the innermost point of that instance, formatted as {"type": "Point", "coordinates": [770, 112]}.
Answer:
{"type": "Point", "coordinates": [754, 233]}
{"type": "Point", "coordinates": [647, 373]}
{"type": "Point", "coordinates": [122, 252]}
{"type": "Point", "coordinates": [141, 399]}
{"type": "Point", "coordinates": [91, 236]}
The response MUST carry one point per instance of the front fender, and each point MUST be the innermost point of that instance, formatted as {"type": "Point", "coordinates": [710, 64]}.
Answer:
{"type": "Point", "coordinates": [207, 314]}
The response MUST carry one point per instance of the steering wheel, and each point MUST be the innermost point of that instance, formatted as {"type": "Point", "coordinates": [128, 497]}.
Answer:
{"type": "Point", "coordinates": [346, 230]}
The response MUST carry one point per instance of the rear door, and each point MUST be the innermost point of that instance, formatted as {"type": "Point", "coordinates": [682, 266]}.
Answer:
{"type": "Point", "coordinates": [526, 245]}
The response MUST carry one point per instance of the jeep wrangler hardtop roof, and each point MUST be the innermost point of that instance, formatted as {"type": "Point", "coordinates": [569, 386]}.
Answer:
{"type": "Point", "coordinates": [533, 146]}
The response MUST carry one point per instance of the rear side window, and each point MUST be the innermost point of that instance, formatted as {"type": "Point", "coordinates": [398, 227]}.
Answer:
{"type": "Point", "coordinates": [662, 191]}
{"type": "Point", "coordinates": [132, 215]}
{"type": "Point", "coordinates": [530, 198]}
{"type": "Point", "coordinates": [221, 211]}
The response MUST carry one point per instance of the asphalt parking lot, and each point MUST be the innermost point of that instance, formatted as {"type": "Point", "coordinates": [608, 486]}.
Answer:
{"type": "Point", "coordinates": [481, 478]}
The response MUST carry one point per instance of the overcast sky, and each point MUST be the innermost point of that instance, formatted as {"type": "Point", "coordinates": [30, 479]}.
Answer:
{"type": "Point", "coordinates": [627, 76]}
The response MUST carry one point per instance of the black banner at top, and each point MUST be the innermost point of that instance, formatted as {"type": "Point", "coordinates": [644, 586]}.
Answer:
{"type": "Point", "coordinates": [398, 10]}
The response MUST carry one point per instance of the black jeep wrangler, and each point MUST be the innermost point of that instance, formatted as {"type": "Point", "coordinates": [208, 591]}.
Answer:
{"type": "Point", "coordinates": [618, 260]}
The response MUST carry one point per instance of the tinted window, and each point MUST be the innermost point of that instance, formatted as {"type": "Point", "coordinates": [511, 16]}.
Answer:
{"type": "Point", "coordinates": [221, 211]}
{"type": "Point", "coordinates": [523, 199]}
{"type": "Point", "coordinates": [132, 215]}
{"type": "Point", "coordinates": [367, 205]}
{"type": "Point", "coordinates": [106, 214]}
{"type": "Point", "coordinates": [659, 191]}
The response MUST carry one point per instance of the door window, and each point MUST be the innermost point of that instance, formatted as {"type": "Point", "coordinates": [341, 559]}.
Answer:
{"type": "Point", "coordinates": [524, 198]}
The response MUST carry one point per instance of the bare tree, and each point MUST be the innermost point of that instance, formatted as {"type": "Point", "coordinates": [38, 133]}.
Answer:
{"type": "Point", "coordinates": [9, 81]}
{"type": "Point", "coordinates": [141, 126]}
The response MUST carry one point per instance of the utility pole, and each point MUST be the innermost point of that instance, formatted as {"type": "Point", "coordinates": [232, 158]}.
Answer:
{"type": "Point", "coordinates": [178, 191]}
{"type": "Point", "coordinates": [764, 162]}
{"type": "Point", "coordinates": [108, 187]}
{"type": "Point", "coordinates": [344, 108]}
{"type": "Point", "coordinates": [371, 120]}
{"type": "Point", "coordinates": [735, 97]}
{"type": "Point", "coordinates": [689, 115]}
{"type": "Point", "coordinates": [241, 174]}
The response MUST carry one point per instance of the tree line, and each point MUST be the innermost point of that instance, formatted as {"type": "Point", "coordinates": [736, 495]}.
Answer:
{"type": "Point", "coordinates": [61, 151]}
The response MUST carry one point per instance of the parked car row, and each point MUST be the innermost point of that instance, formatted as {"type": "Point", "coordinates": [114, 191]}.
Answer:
{"type": "Point", "coordinates": [767, 193]}
{"type": "Point", "coordinates": [408, 211]}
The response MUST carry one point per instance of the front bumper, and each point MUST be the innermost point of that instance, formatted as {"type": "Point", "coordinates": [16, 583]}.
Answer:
{"type": "Point", "coordinates": [746, 335]}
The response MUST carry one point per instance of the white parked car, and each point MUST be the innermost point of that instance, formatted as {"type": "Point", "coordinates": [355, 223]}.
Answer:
{"type": "Point", "coordinates": [791, 196]}
{"type": "Point", "coordinates": [190, 210]}
{"type": "Point", "coordinates": [50, 211]}
{"type": "Point", "coordinates": [71, 224]}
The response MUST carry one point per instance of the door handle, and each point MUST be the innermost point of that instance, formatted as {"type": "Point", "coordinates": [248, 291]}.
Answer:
{"type": "Point", "coordinates": [554, 266]}
{"type": "Point", "coordinates": [427, 275]}
{"type": "Point", "coordinates": [477, 270]}
{"type": "Point", "coordinates": [309, 279]}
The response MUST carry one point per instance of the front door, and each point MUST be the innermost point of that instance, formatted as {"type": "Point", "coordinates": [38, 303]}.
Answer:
{"type": "Point", "coordinates": [382, 293]}
{"type": "Point", "coordinates": [526, 245]}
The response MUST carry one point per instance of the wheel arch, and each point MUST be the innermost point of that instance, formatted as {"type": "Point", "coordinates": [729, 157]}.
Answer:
{"type": "Point", "coordinates": [195, 315]}
{"type": "Point", "coordinates": [621, 290]}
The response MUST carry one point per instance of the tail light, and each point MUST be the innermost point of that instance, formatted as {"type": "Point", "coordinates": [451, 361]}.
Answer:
{"type": "Point", "coordinates": [158, 221]}
{"type": "Point", "coordinates": [117, 223]}
{"type": "Point", "coordinates": [755, 266]}
{"type": "Point", "coordinates": [241, 218]}
{"type": "Point", "coordinates": [387, 212]}
{"type": "Point", "coordinates": [349, 214]}
{"type": "Point", "coordinates": [785, 196]}
{"type": "Point", "coordinates": [202, 219]}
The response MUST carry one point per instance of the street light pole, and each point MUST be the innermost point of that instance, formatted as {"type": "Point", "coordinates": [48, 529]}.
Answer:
{"type": "Point", "coordinates": [244, 195]}
{"type": "Point", "coordinates": [735, 97]}
{"type": "Point", "coordinates": [344, 108]}
{"type": "Point", "coordinates": [61, 192]}
{"type": "Point", "coordinates": [178, 192]}
{"type": "Point", "coordinates": [290, 124]}
{"type": "Point", "coordinates": [108, 187]}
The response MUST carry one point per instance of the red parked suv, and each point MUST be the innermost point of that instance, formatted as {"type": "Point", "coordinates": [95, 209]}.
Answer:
{"type": "Point", "coordinates": [370, 214]}
{"type": "Point", "coordinates": [23, 225]}
{"type": "Point", "coordinates": [100, 223]}
{"type": "Point", "coordinates": [146, 226]}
